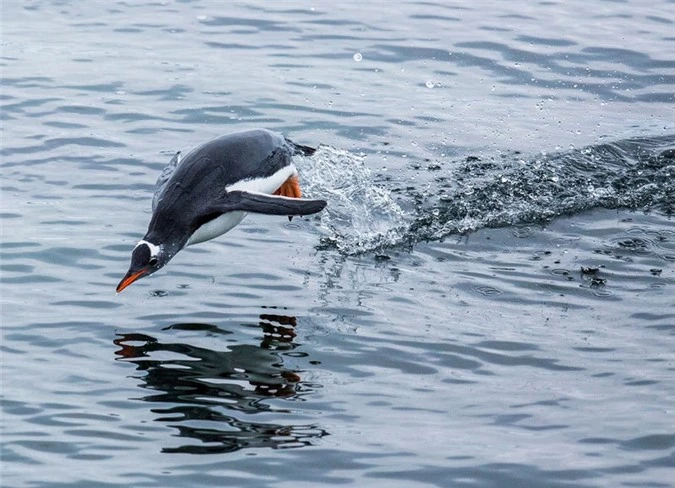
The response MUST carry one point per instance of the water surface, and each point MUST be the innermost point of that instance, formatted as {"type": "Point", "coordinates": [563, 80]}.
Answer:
{"type": "Point", "coordinates": [487, 301]}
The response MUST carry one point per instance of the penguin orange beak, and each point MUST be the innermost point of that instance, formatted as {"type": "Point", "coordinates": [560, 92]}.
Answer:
{"type": "Point", "coordinates": [130, 278]}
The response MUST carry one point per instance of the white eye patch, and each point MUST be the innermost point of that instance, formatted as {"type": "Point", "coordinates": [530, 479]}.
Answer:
{"type": "Point", "coordinates": [154, 250]}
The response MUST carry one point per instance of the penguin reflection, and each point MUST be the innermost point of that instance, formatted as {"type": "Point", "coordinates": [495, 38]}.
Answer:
{"type": "Point", "coordinates": [212, 395]}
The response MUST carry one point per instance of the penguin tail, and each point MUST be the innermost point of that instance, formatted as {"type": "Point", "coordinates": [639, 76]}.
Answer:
{"type": "Point", "coordinates": [299, 149]}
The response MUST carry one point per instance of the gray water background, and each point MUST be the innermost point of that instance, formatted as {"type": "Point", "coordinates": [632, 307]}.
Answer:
{"type": "Point", "coordinates": [434, 327]}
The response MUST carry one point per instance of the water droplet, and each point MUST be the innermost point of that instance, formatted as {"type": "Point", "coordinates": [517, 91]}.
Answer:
{"type": "Point", "coordinates": [430, 84]}
{"type": "Point", "coordinates": [358, 57]}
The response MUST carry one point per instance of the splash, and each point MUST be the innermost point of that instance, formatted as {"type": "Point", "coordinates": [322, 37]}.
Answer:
{"type": "Point", "coordinates": [362, 216]}
{"type": "Point", "coordinates": [504, 191]}
{"type": "Point", "coordinates": [475, 193]}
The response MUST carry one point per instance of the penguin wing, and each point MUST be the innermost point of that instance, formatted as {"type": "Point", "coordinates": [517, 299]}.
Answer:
{"type": "Point", "coordinates": [265, 204]}
{"type": "Point", "coordinates": [164, 178]}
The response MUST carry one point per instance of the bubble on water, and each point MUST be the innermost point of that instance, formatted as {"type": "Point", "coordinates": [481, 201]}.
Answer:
{"type": "Point", "coordinates": [430, 83]}
{"type": "Point", "coordinates": [486, 290]}
{"type": "Point", "coordinates": [358, 57]}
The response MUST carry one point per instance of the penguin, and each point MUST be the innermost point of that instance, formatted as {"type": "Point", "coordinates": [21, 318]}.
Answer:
{"type": "Point", "coordinates": [209, 191]}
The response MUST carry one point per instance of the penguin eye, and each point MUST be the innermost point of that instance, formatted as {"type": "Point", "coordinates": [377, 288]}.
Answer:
{"type": "Point", "coordinates": [153, 261]}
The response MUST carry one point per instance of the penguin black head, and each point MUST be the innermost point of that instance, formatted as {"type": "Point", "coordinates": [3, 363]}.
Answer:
{"type": "Point", "coordinates": [146, 258]}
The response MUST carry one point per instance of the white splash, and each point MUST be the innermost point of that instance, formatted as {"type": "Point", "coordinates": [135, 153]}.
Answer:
{"type": "Point", "coordinates": [361, 216]}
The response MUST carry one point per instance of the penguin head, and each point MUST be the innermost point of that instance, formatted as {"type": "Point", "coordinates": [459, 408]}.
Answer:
{"type": "Point", "coordinates": [146, 258]}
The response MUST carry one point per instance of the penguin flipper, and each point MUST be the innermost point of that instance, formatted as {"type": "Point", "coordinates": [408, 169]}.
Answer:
{"type": "Point", "coordinates": [268, 204]}
{"type": "Point", "coordinates": [164, 178]}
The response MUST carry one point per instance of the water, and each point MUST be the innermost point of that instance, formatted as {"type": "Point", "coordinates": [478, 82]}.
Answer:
{"type": "Point", "coordinates": [487, 301]}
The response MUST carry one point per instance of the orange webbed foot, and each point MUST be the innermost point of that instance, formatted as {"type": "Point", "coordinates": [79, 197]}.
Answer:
{"type": "Point", "coordinates": [290, 188]}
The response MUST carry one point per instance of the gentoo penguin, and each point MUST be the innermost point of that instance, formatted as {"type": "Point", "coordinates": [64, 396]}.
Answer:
{"type": "Point", "coordinates": [210, 190]}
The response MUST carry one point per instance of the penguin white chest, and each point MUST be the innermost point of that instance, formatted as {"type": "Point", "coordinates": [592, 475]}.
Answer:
{"type": "Point", "coordinates": [229, 220]}
{"type": "Point", "coordinates": [217, 227]}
